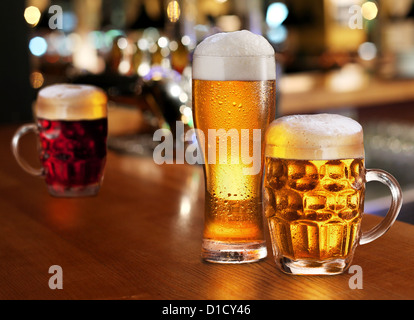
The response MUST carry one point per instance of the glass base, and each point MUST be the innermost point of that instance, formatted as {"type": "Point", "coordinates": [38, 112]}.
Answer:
{"type": "Point", "coordinates": [312, 267]}
{"type": "Point", "coordinates": [223, 252]}
{"type": "Point", "coordinates": [74, 192]}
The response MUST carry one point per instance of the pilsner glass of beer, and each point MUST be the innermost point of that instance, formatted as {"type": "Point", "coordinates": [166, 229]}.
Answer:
{"type": "Point", "coordinates": [234, 79]}
{"type": "Point", "coordinates": [314, 189]}
{"type": "Point", "coordinates": [72, 128]}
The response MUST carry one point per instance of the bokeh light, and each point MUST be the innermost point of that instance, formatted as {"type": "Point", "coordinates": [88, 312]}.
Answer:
{"type": "Point", "coordinates": [173, 11]}
{"type": "Point", "coordinates": [278, 34]}
{"type": "Point", "coordinates": [38, 46]}
{"type": "Point", "coordinates": [144, 69]}
{"type": "Point", "coordinates": [369, 10]}
{"type": "Point", "coordinates": [36, 79]}
{"type": "Point", "coordinates": [186, 40]}
{"type": "Point", "coordinates": [32, 15]}
{"type": "Point", "coordinates": [162, 42]}
{"type": "Point", "coordinates": [122, 43]}
{"type": "Point", "coordinates": [367, 51]}
{"type": "Point", "coordinates": [276, 14]}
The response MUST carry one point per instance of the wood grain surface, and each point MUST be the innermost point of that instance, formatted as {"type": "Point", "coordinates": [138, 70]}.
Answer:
{"type": "Point", "coordinates": [140, 238]}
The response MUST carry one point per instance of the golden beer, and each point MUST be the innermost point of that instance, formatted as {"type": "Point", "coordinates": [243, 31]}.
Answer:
{"type": "Point", "coordinates": [314, 189]}
{"type": "Point", "coordinates": [233, 97]}
{"type": "Point", "coordinates": [314, 208]}
{"type": "Point", "coordinates": [233, 199]}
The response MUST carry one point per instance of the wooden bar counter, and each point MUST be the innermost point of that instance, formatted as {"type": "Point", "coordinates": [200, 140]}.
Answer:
{"type": "Point", "coordinates": [141, 239]}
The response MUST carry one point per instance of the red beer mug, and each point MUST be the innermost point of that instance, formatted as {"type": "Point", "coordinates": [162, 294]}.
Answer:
{"type": "Point", "coordinates": [72, 128]}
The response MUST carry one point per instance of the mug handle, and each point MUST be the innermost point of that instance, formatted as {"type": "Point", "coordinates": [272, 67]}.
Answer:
{"type": "Point", "coordinates": [396, 203]}
{"type": "Point", "coordinates": [15, 149]}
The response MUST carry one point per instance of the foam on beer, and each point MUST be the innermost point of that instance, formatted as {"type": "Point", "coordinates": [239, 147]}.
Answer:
{"type": "Point", "coordinates": [239, 55]}
{"type": "Point", "coordinates": [315, 137]}
{"type": "Point", "coordinates": [71, 102]}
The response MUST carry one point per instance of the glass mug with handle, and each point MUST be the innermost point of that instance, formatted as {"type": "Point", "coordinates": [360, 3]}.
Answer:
{"type": "Point", "coordinates": [72, 127]}
{"type": "Point", "coordinates": [314, 190]}
{"type": "Point", "coordinates": [234, 80]}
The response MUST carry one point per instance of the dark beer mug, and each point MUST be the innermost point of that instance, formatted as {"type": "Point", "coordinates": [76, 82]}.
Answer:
{"type": "Point", "coordinates": [72, 128]}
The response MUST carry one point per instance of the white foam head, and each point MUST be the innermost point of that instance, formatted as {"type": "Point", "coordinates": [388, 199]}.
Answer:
{"type": "Point", "coordinates": [71, 102]}
{"type": "Point", "coordinates": [315, 137]}
{"type": "Point", "coordinates": [239, 55]}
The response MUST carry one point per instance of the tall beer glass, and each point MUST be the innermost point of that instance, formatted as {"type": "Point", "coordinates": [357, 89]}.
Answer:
{"type": "Point", "coordinates": [234, 78]}
{"type": "Point", "coordinates": [314, 192]}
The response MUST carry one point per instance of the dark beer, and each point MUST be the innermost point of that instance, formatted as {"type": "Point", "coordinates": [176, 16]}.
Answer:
{"type": "Point", "coordinates": [73, 153]}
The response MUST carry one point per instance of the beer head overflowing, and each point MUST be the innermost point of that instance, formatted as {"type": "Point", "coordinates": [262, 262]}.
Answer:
{"type": "Point", "coordinates": [239, 55]}
{"type": "Point", "coordinates": [315, 137]}
{"type": "Point", "coordinates": [71, 102]}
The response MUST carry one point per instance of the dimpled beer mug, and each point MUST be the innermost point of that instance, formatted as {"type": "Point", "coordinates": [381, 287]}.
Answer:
{"type": "Point", "coordinates": [233, 104]}
{"type": "Point", "coordinates": [314, 190]}
{"type": "Point", "coordinates": [72, 129]}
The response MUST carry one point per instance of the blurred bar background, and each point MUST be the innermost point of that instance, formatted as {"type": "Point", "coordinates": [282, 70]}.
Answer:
{"type": "Point", "coordinates": [351, 57]}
